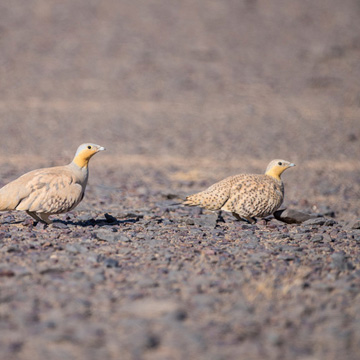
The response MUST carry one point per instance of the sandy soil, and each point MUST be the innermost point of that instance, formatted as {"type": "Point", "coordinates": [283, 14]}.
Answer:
{"type": "Point", "coordinates": [182, 94]}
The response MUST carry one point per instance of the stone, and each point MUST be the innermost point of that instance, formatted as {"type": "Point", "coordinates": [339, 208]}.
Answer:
{"type": "Point", "coordinates": [110, 236]}
{"type": "Point", "coordinates": [75, 248]}
{"type": "Point", "coordinates": [6, 272]}
{"type": "Point", "coordinates": [111, 263]}
{"type": "Point", "coordinates": [320, 222]}
{"type": "Point", "coordinates": [207, 221]}
{"type": "Point", "coordinates": [339, 261]}
{"type": "Point", "coordinates": [84, 217]}
{"type": "Point", "coordinates": [317, 238]}
{"type": "Point", "coordinates": [59, 225]}
{"type": "Point", "coordinates": [286, 257]}
{"type": "Point", "coordinates": [291, 216]}
{"type": "Point", "coordinates": [355, 224]}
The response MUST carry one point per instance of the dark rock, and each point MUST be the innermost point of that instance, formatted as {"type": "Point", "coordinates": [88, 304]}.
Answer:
{"type": "Point", "coordinates": [291, 216]}
{"type": "Point", "coordinates": [246, 226]}
{"type": "Point", "coordinates": [16, 346]}
{"type": "Point", "coordinates": [330, 222]}
{"type": "Point", "coordinates": [352, 137]}
{"type": "Point", "coordinates": [152, 341]}
{"type": "Point", "coordinates": [356, 237]}
{"type": "Point", "coordinates": [180, 315]}
{"type": "Point", "coordinates": [6, 272]}
{"type": "Point", "coordinates": [171, 196]}
{"type": "Point", "coordinates": [111, 263]}
{"type": "Point", "coordinates": [303, 230]}
{"type": "Point", "coordinates": [11, 248]}
{"type": "Point", "coordinates": [51, 270]}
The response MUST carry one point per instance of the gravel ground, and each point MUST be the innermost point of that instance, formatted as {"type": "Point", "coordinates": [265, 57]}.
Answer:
{"type": "Point", "coordinates": [182, 94]}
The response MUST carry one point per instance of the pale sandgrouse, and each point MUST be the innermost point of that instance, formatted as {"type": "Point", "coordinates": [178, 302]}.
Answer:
{"type": "Point", "coordinates": [48, 191]}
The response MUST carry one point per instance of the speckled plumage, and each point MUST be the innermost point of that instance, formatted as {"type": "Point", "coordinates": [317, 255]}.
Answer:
{"type": "Point", "coordinates": [246, 196]}
{"type": "Point", "coordinates": [48, 191]}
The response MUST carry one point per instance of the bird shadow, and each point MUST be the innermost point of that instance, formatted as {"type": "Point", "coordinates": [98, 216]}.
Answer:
{"type": "Point", "coordinates": [94, 222]}
{"type": "Point", "coordinates": [109, 220]}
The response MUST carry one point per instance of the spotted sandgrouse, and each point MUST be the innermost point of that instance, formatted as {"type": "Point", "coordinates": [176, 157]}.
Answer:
{"type": "Point", "coordinates": [246, 196]}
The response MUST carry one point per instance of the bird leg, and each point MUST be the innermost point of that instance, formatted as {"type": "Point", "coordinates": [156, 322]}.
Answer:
{"type": "Point", "coordinates": [33, 215]}
{"type": "Point", "coordinates": [248, 219]}
{"type": "Point", "coordinates": [220, 218]}
{"type": "Point", "coordinates": [43, 218]}
{"type": "Point", "coordinates": [253, 220]}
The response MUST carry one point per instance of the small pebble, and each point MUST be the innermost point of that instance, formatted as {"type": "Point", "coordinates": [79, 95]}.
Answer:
{"type": "Point", "coordinates": [317, 238]}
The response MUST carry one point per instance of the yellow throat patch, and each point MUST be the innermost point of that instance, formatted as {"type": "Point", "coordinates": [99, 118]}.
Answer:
{"type": "Point", "coordinates": [82, 159]}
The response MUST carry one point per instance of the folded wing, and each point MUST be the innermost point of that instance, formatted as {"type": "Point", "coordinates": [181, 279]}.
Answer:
{"type": "Point", "coordinates": [214, 197]}
{"type": "Point", "coordinates": [52, 190]}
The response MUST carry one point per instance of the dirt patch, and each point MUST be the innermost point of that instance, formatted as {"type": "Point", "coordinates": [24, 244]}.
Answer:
{"type": "Point", "coordinates": [182, 94]}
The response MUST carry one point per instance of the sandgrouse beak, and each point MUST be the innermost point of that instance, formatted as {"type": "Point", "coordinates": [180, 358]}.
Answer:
{"type": "Point", "coordinates": [101, 148]}
{"type": "Point", "coordinates": [291, 165]}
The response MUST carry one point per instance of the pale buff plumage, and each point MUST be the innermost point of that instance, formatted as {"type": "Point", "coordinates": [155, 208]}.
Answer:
{"type": "Point", "coordinates": [246, 196]}
{"type": "Point", "coordinates": [48, 191]}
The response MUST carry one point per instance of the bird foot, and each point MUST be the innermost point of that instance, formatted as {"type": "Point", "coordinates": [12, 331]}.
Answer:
{"type": "Point", "coordinates": [248, 219]}
{"type": "Point", "coordinates": [220, 219]}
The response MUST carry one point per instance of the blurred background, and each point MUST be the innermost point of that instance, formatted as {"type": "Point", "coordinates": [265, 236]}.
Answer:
{"type": "Point", "coordinates": [184, 93]}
